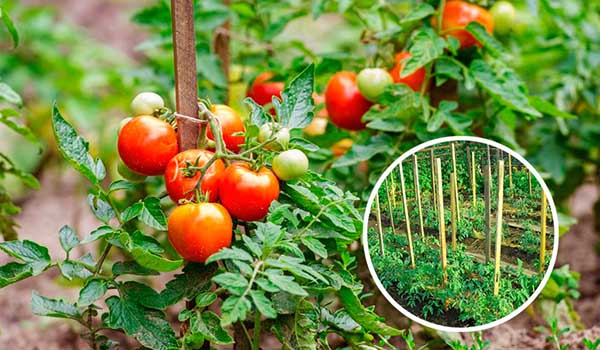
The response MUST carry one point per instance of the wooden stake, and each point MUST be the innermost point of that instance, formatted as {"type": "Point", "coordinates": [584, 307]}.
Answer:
{"type": "Point", "coordinates": [529, 178]}
{"type": "Point", "coordinates": [418, 193]}
{"type": "Point", "coordinates": [406, 218]}
{"type": "Point", "coordinates": [393, 189]}
{"type": "Point", "coordinates": [499, 226]}
{"type": "Point", "coordinates": [390, 209]}
{"type": "Point", "coordinates": [186, 84]}
{"type": "Point", "coordinates": [453, 209]}
{"type": "Point", "coordinates": [379, 224]}
{"type": "Point", "coordinates": [510, 183]}
{"type": "Point", "coordinates": [433, 184]}
{"type": "Point", "coordinates": [453, 151]}
{"type": "Point", "coordinates": [473, 179]}
{"type": "Point", "coordinates": [488, 206]}
{"type": "Point", "coordinates": [543, 233]}
{"type": "Point", "coordinates": [441, 219]}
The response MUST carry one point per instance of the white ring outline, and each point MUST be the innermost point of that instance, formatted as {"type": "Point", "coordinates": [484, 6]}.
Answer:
{"type": "Point", "coordinates": [365, 242]}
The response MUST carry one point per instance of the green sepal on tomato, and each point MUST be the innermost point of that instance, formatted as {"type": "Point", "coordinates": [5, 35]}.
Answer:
{"type": "Point", "coordinates": [247, 194]}
{"type": "Point", "coordinates": [146, 144]}
{"type": "Point", "coordinates": [182, 175]}
{"type": "Point", "coordinates": [344, 102]}
{"type": "Point", "coordinates": [198, 230]}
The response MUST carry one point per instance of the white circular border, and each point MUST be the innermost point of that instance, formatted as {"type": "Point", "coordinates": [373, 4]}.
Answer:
{"type": "Point", "coordinates": [366, 228]}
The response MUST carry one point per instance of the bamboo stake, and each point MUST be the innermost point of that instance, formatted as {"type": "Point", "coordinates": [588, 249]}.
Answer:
{"type": "Point", "coordinates": [510, 182]}
{"type": "Point", "coordinates": [393, 189]}
{"type": "Point", "coordinates": [407, 218]}
{"type": "Point", "coordinates": [453, 151]}
{"type": "Point", "coordinates": [473, 180]}
{"type": "Point", "coordinates": [441, 219]}
{"type": "Point", "coordinates": [499, 226]}
{"type": "Point", "coordinates": [453, 209]}
{"type": "Point", "coordinates": [529, 178]}
{"type": "Point", "coordinates": [433, 185]}
{"type": "Point", "coordinates": [543, 234]}
{"type": "Point", "coordinates": [488, 206]}
{"type": "Point", "coordinates": [379, 224]}
{"type": "Point", "coordinates": [389, 201]}
{"type": "Point", "coordinates": [186, 79]}
{"type": "Point", "coordinates": [418, 193]}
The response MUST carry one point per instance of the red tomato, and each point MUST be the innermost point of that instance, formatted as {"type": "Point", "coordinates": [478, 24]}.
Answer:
{"type": "Point", "coordinates": [231, 123]}
{"type": "Point", "coordinates": [247, 194]}
{"type": "Point", "coordinates": [414, 80]}
{"type": "Point", "coordinates": [198, 230]}
{"type": "Point", "coordinates": [180, 186]}
{"type": "Point", "coordinates": [262, 90]}
{"type": "Point", "coordinates": [456, 16]}
{"type": "Point", "coordinates": [146, 144]}
{"type": "Point", "coordinates": [345, 105]}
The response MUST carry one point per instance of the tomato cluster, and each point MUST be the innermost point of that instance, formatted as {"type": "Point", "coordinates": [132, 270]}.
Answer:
{"type": "Point", "coordinates": [208, 191]}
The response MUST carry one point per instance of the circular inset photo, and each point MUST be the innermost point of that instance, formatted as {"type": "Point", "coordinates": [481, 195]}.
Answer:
{"type": "Point", "coordinates": [460, 234]}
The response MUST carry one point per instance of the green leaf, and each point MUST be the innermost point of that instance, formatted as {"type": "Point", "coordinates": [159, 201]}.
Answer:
{"type": "Point", "coordinates": [232, 253]}
{"type": "Point", "coordinates": [441, 115]}
{"type": "Point", "coordinates": [75, 149]}
{"type": "Point", "coordinates": [194, 280]}
{"type": "Point", "coordinates": [208, 324]}
{"type": "Point", "coordinates": [276, 26]}
{"type": "Point", "coordinates": [142, 294]}
{"type": "Point", "coordinates": [315, 246]}
{"type": "Point", "coordinates": [152, 261]}
{"type": "Point", "coordinates": [19, 129]}
{"type": "Point", "coordinates": [8, 23]}
{"type": "Point", "coordinates": [361, 152]}
{"type": "Point", "coordinates": [121, 185]}
{"type": "Point", "coordinates": [14, 272]}
{"type": "Point", "coordinates": [418, 13]}
{"type": "Point", "coordinates": [43, 306]}
{"type": "Point", "coordinates": [235, 308]}
{"type": "Point", "coordinates": [35, 255]}
{"type": "Point", "coordinates": [205, 299]}
{"type": "Point", "coordinates": [235, 283]}
{"type": "Point", "coordinates": [362, 316]}
{"type": "Point", "coordinates": [9, 95]}
{"type": "Point", "coordinates": [132, 268]}
{"type": "Point", "coordinates": [98, 233]}
{"type": "Point", "coordinates": [298, 331]}
{"type": "Point", "coordinates": [297, 104]}
{"type": "Point", "coordinates": [101, 209]}
{"type": "Point", "coordinates": [389, 125]}
{"type": "Point", "coordinates": [68, 238]}
{"type": "Point", "coordinates": [445, 69]}
{"type": "Point", "coordinates": [548, 108]}
{"type": "Point", "coordinates": [427, 46]}
{"type": "Point", "coordinates": [258, 116]}
{"type": "Point", "coordinates": [149, 327]}
{"type": "Point", "coordinates": [148, 211]}
{"type": "Point", "coordinates": [93, 290]}
{"type": "Point", "coordinates": [263, 304]}
{"type": "Point", "coordinates": [286, 283]}
{"type": "Point", "coordinates": [488, 41]}
{"type": "Point", "coordinates": [72, 269]}
{"type": "Point", "coordinates": [209, 66]}
{"type": "Point", "coordinates": [504, 86]}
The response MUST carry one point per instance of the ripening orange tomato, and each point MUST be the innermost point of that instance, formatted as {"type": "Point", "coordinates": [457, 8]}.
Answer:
{"type": "Point", "coordinates": [414, 80]}
{"type": "Point", "coordinates": [457, 15]}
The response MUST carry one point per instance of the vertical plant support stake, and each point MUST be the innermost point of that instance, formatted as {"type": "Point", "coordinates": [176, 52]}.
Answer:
{"type": "Point", "coordinates": [393, 189]}
{"type": "Point", "coordinates": [390, 209]}
{"type": "Point", "coordinates": [186, 84]}
{"type": "Point", "coordinates": [488, 205]}
{"type": "Point", "coordinates": [433, 184]}
{"type": "Point", "coordinates": [379, 228]}
{"type": "Point", "coordinates": [529, 179]}
{"type": "Point", "coordinates": [407, 218]}
{"type": "Point", "coordinates": [455, 181]}
{"type": "Point", "coordinates": [473, 179]}
{"type": "Point", "coordinates": [499, 227]}
{"type": "Point", "coordinates": [543, 233]}
{"type": "Point", "coordinates": [510, 183]}
{"type": "Point", "coordinates": [441, 219]}
{"type": "Point", "coordinates": [418, 193]}
{"type": "Point", "coordinates": [453, 209]}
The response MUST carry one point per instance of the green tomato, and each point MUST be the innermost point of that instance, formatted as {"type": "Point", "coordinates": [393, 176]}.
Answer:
{"type": "Point", "coordinates": [282, 136]}
{"type": "Point", "coordinates": [146, 103]}
{"type": "Point", "coordinates": [129, 174]}
{"type": "Point", "coordinates": [290, 165]}
{"type": "Point", "coordinates": [504, 15]}
{"type": "Point", "coordinates": [372, 82]}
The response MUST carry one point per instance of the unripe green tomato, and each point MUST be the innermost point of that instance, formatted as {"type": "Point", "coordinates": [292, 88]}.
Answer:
{"type": "Point", "coordinates": [129, 174]}
{"type": "Point", "coordinates": [282, 137]}
{"type": "Point", "coordinates": [372, 82]}
{"type": "Point", "coordinates": [145, 103]}
{"type": "Point", "coordinates": [290, 165]}
{"type": "Point", "coordinates": [123, 122]}
{"type": "Point", "coordinates": [504, 15]}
